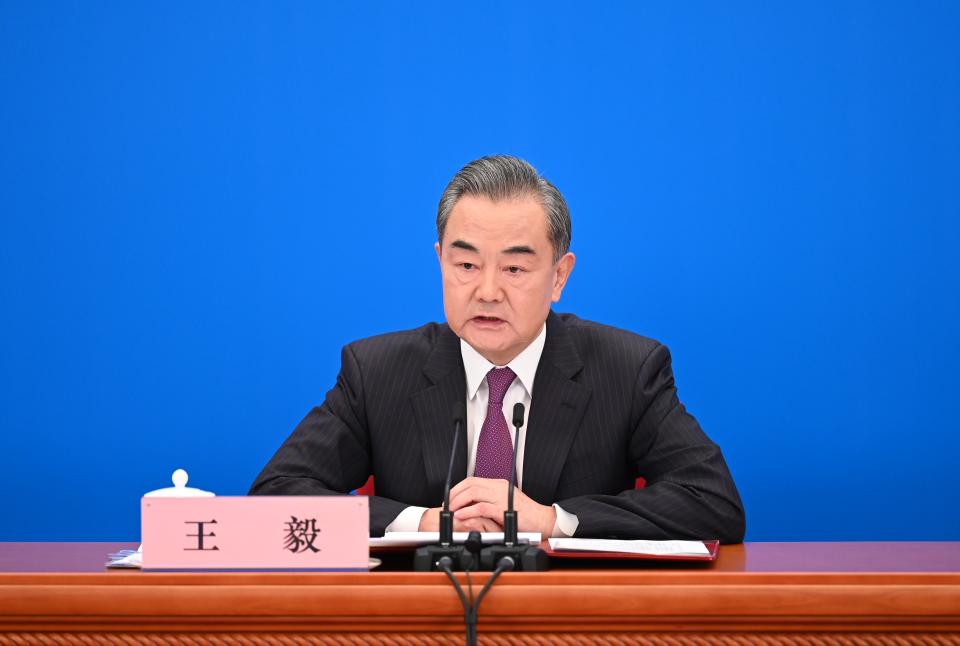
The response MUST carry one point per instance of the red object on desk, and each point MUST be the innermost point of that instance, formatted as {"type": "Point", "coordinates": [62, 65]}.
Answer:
{"type": "Point", "coordinates": [712, 546]}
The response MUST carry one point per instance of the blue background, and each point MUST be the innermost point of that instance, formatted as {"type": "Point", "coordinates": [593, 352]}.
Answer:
{"type": "Point", "coordinates": [200, 203]}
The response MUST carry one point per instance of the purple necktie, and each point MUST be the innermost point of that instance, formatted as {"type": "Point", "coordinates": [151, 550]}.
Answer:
{"type": "Point", "coordinates": [494, 448]}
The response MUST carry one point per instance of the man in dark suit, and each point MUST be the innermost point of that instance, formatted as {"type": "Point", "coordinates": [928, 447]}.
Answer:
{"type": "Point", "coordinates": [602, 407]}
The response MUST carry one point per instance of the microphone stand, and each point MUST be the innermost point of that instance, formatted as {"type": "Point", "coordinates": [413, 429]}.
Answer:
{"type": "Point", "coordinates": [526, 558]}
{"type": "Point", "coordinates": [447, 557]}
{"type": "Point", "coordinates": [428, 557]}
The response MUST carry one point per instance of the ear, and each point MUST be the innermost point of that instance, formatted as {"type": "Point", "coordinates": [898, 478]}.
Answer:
{"type": "Point", "coordinates": [436, 247]}
{"type": "Point", "coordinates": [561, 273]}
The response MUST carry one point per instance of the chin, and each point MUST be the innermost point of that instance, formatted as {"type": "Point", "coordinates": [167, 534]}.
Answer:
{"type": "Point", "coordinates": [481, 339]}
{"type": "Point", "coordinates": [498, 352]}
{"type": "Point", "coordinates": [486, 342]}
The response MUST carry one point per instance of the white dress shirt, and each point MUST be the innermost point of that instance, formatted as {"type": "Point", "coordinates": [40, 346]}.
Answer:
{"type": "Point", "coordinates": [524, 365]}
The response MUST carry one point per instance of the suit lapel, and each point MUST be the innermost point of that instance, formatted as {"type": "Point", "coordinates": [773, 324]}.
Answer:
{"type": "Point", "coordinates": [556, 409]}
{"type": "Point", "coordinates": [433, 408]}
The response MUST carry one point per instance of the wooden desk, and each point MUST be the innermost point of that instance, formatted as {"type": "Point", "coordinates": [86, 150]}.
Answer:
{"type": "Point", "coordinates": [783, 593]}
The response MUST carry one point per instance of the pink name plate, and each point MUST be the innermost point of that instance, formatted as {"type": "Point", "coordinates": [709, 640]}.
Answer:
{"type": "Point", "coordinates": [255, 533]}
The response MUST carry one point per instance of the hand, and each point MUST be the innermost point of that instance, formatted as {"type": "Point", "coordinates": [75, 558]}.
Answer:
{"type": "Point", "coordinates": [486, 498]}
{"type": "Point", "coordinates": [430, 522]}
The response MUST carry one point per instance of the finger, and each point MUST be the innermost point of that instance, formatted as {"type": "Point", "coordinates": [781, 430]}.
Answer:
{"type": "Point", "coordinates": [471, 524]}
{"type": "Point", "coordinates": [479, 490]}
{"type": "Point", "coordinates": [479, 510]}
{"type": "Point", "coordinates": [457, 492]}
{"type": "Point", "coordinates": [491, 525]}
{"type": "Point", "coordinates": [460, 499]}
{"type": "Point", "coordinates": [463, 484]}
{"type": "Point", "coordinates": [474, 492]}
{"type": "Point", "coordinates": [480, 525]}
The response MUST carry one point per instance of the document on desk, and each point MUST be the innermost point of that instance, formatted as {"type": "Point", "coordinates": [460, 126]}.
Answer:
{"type": "Point", "coordinates": [652, 548]}
{"type": "Point", "coordinates": [415, 539]}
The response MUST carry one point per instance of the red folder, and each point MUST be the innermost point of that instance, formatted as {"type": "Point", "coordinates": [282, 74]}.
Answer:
{"type": "Point", "coordinates": [712, 546]}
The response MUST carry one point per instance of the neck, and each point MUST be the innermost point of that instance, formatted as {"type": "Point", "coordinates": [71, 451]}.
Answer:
{"type": "Point", "coordinates": [498, 360]}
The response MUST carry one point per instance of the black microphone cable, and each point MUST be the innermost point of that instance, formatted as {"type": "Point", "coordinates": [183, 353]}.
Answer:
{"type": "Point", "coordinates": [471, 608]}
{"type": "Point", "coordinates": [446, 564]}
{"type": "Point", "coordinates": [470, 616]}
{"type": "Point", "coordinates": [505, 565]}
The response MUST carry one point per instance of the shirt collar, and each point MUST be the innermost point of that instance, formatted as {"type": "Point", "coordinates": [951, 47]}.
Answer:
{"type": "Point", "coordinates": [524, 365]}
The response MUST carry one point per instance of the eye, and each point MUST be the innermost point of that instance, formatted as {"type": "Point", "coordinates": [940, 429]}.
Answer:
{"type": "Point", "coordinates": [467, 265]}
{"type": "Point", "coordinates": [513, 269]}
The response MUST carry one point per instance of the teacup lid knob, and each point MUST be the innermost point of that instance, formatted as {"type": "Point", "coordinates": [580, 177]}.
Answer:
{"type": "Point", "coordinates": [180, 478]}
{"type": "Point", "coordinates": [179, 488]}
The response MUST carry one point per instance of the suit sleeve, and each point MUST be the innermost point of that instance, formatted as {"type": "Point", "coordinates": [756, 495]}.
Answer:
{"type": "Point", "coordinates": [329, 451]}
{"type": "Point", "coordinates": [690, 492]}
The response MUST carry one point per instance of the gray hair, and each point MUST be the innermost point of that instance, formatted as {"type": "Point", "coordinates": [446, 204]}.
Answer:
{"type": "Point", "coordinates": [501, 177]}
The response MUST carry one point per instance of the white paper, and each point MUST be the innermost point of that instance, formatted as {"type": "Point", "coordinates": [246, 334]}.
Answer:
{"type": "Point", "coordinates": [413, 539]}
{"type": "Point", "coordinates": [135, 559]}
{"type": "Point", "coordinates": [126, 559]}
{"type": "Point", "coordinates": [652, 548]}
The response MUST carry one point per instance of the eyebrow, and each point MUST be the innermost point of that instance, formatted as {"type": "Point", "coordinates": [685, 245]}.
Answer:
{"type": "Point", "coordinates": [514, 250]}
{"type": "Point", "coordinates": [462, 244]}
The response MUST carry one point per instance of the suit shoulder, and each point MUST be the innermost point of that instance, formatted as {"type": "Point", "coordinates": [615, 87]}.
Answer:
{"type": "Point", "coordinates": [611, 343]}
{"type": "Point", "coordinates": [402, 342]}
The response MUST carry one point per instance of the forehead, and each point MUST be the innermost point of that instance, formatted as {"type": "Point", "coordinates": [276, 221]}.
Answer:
{"type": "Point", "coordinates": [484, 222]}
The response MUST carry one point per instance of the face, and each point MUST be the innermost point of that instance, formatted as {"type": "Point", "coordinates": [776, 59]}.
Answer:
{"type": "Point", "coordinates": [499, 277]}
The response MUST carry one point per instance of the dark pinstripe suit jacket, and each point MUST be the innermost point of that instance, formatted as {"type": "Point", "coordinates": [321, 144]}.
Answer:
{"type": "Point", "coordinates": [604, 411]}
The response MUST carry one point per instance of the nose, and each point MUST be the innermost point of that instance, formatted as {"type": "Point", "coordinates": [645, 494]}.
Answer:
{"type": "Point", "coordinates": [489, 289]}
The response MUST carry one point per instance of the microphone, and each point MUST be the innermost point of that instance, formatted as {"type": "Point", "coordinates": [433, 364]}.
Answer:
{"type": "Point", "coordinates": [518, 416]}
{"type": "Point", "coordinates": [446, 516]}
{"type": "Point", "coordinates": [510, 516]}
{"type": "Point", "coordinates": [511, 555]}
{"type": "Point", "coordinates": [445, 554]}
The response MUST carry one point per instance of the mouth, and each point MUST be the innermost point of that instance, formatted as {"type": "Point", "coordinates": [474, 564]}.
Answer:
{"type": "Point", "coordinates": [488, 321]}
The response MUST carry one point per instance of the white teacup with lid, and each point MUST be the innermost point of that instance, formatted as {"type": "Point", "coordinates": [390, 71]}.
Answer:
{"type": "Point", "coordinates": [131, 559]}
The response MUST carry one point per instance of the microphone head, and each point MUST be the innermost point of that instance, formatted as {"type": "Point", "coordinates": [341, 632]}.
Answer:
{"type": "Point", "coordinates": [458, 413]}
{"type": "Point", "coordinates": [518, 414]}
